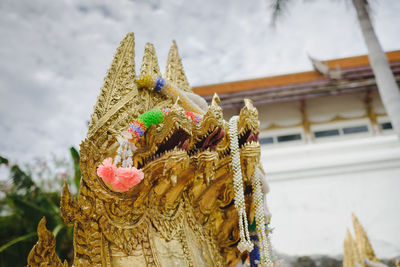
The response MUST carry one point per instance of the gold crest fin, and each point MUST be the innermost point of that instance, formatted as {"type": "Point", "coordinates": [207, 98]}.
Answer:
{"type": "Point", "coordinates": [44, 252]}
{"type": "Point", "coordinates": [150, 62]}
{"type": "Point", "coordinates": [363, 244]}
{"type": "Point", "coordinates": [174, 71]}
{"type": "Point", "coordinates": [215, 99]}
{"type": "Point", "coordinates": [69, 207]}
{"type": "Point", "coordinates": [119, 81]}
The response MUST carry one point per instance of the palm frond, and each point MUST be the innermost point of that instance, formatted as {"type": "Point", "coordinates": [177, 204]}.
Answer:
{"type": "Point", "coordinates": [21, 180]}
{"type": "Point", "coordinates": [3, 160]}
{"type": "Point", "coordinates": [278, 7]}
{"type": "Point", "coordinates": [17, 240]}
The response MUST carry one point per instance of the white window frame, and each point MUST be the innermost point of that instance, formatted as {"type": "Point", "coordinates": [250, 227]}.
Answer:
{"type": "Point", "coordinates": [339, 125]}
{"type": "Point", "coordinates": [283, 131]}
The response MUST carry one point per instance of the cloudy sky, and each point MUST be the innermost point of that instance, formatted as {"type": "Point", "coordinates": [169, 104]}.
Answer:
{"type": "Point", "coordinates": [55, 54]}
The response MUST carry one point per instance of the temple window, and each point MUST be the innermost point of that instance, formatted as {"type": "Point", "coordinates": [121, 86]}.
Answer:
{"type": "Point", "coordinates": [355, 129]}
{"type": "Point", "coordinates": [386, 126]}
{"type": "Point", "coordinates": [288, 138]}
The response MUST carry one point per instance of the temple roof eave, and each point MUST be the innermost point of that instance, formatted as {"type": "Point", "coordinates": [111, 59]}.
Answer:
{"type": "Point", "coordinates": [354, 79]}
{"type": "Point", "coordinates": [298, 86]}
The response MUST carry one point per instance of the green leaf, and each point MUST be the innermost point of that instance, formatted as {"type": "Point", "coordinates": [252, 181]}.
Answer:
{"type": "Point", "coordinates": [20, 179]}
{"type": "Point", "coordinates": [77, 169]}
{"type": "Point", "coordinates": [16, 240]}
{"type": "Point", "coordinates": [3, 160]}
{"type": "Point", "coordinates": [30, 208]}
{"type": "Point", "coordinates": [57, 229]}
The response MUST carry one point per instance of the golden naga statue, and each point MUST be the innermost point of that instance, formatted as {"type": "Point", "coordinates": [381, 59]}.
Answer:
{"type": "Point", "coordinates": [181, 209]}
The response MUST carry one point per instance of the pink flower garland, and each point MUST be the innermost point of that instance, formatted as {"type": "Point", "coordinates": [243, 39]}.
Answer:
{"type": "Point", "coordinates": [120, 179]}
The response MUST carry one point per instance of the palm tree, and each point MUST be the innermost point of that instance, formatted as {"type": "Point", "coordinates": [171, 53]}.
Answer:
{"type": "Point", "coordinates": [387, 86]}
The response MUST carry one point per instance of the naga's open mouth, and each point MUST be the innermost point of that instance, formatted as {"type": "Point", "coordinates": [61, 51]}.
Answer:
{"type": "Point", "coordinates": [247, 136]}
{"type": "Point", "coordinates": [208, 142]}
{"type": "Point", "coordinates": [177, 140]}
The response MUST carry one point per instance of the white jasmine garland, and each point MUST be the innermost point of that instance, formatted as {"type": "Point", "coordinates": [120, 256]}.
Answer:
{"type": "Point", "coordinates": [263, 237]}
{"type": "Point", "coordinates": [244, 243]}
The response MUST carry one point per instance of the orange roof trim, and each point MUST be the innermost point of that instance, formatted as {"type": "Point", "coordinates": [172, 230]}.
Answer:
{"type": "Point", "coordinates": [301, 77]}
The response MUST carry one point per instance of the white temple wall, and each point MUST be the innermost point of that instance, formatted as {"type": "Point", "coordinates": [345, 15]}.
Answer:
{"type": "Point", "coordinates": [316, 187]}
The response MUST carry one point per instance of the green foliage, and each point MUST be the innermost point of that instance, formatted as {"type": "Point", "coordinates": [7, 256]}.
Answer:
{"type": "Point", "coordinates": [25, 198]}
{"type": "Point", "coordinates": [77, 169]}
{"type": "Point", "coordinates": [281, 7]}
{"type": "Point", "coordinates": [3, 160]}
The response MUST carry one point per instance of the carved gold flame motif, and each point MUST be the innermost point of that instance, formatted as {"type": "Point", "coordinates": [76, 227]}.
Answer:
{"type": "Point", "coordinates": [182, 213]}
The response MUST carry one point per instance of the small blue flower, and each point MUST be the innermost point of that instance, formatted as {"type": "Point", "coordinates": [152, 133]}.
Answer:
{"type": "Point", "coordinates": [160, 84]}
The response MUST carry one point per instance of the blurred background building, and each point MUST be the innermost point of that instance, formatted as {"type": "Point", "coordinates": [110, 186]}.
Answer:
{"type": "Point", "coordinates": [329, 149]}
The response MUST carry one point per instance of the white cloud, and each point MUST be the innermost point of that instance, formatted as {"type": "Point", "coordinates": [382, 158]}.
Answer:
{"type": "Point", "coordinates": [56, 53]}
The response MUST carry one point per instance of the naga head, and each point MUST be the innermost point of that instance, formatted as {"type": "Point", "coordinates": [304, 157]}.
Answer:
{"type": "Point", "coordinates": [180, 208]}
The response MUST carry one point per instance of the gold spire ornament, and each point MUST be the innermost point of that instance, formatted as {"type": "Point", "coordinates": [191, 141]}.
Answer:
{"type": "Point", "coordinates": [182, 210]}
{"type": "Point", "coordinates": [351, 253]}
{"type": "Point", "coordinates": [358, 250]}
{"type": "Point", "coordinates": [363, 244]}
{"type": "Point", "coordinates": [174, 71]}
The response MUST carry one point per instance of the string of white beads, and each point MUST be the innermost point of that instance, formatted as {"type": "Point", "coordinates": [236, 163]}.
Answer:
{"type": "Point", "coordinates": [263, 237]}
{"type": "Point", "coordinates": [244, 243]}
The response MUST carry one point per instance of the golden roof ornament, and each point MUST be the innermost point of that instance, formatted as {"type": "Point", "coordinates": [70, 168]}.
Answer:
{"type": "Point", "coordinates": [157, 174]}
{"type": "Point", "coordinates": [351, 253]}
{"type": "Point", "coordinates": [363, 244]}
{"type": "Point", "coordinates": [358, 251]}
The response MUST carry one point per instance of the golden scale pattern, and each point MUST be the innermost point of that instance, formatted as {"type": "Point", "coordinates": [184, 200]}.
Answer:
{"type": "Point", "coordinates": [159, 222]}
